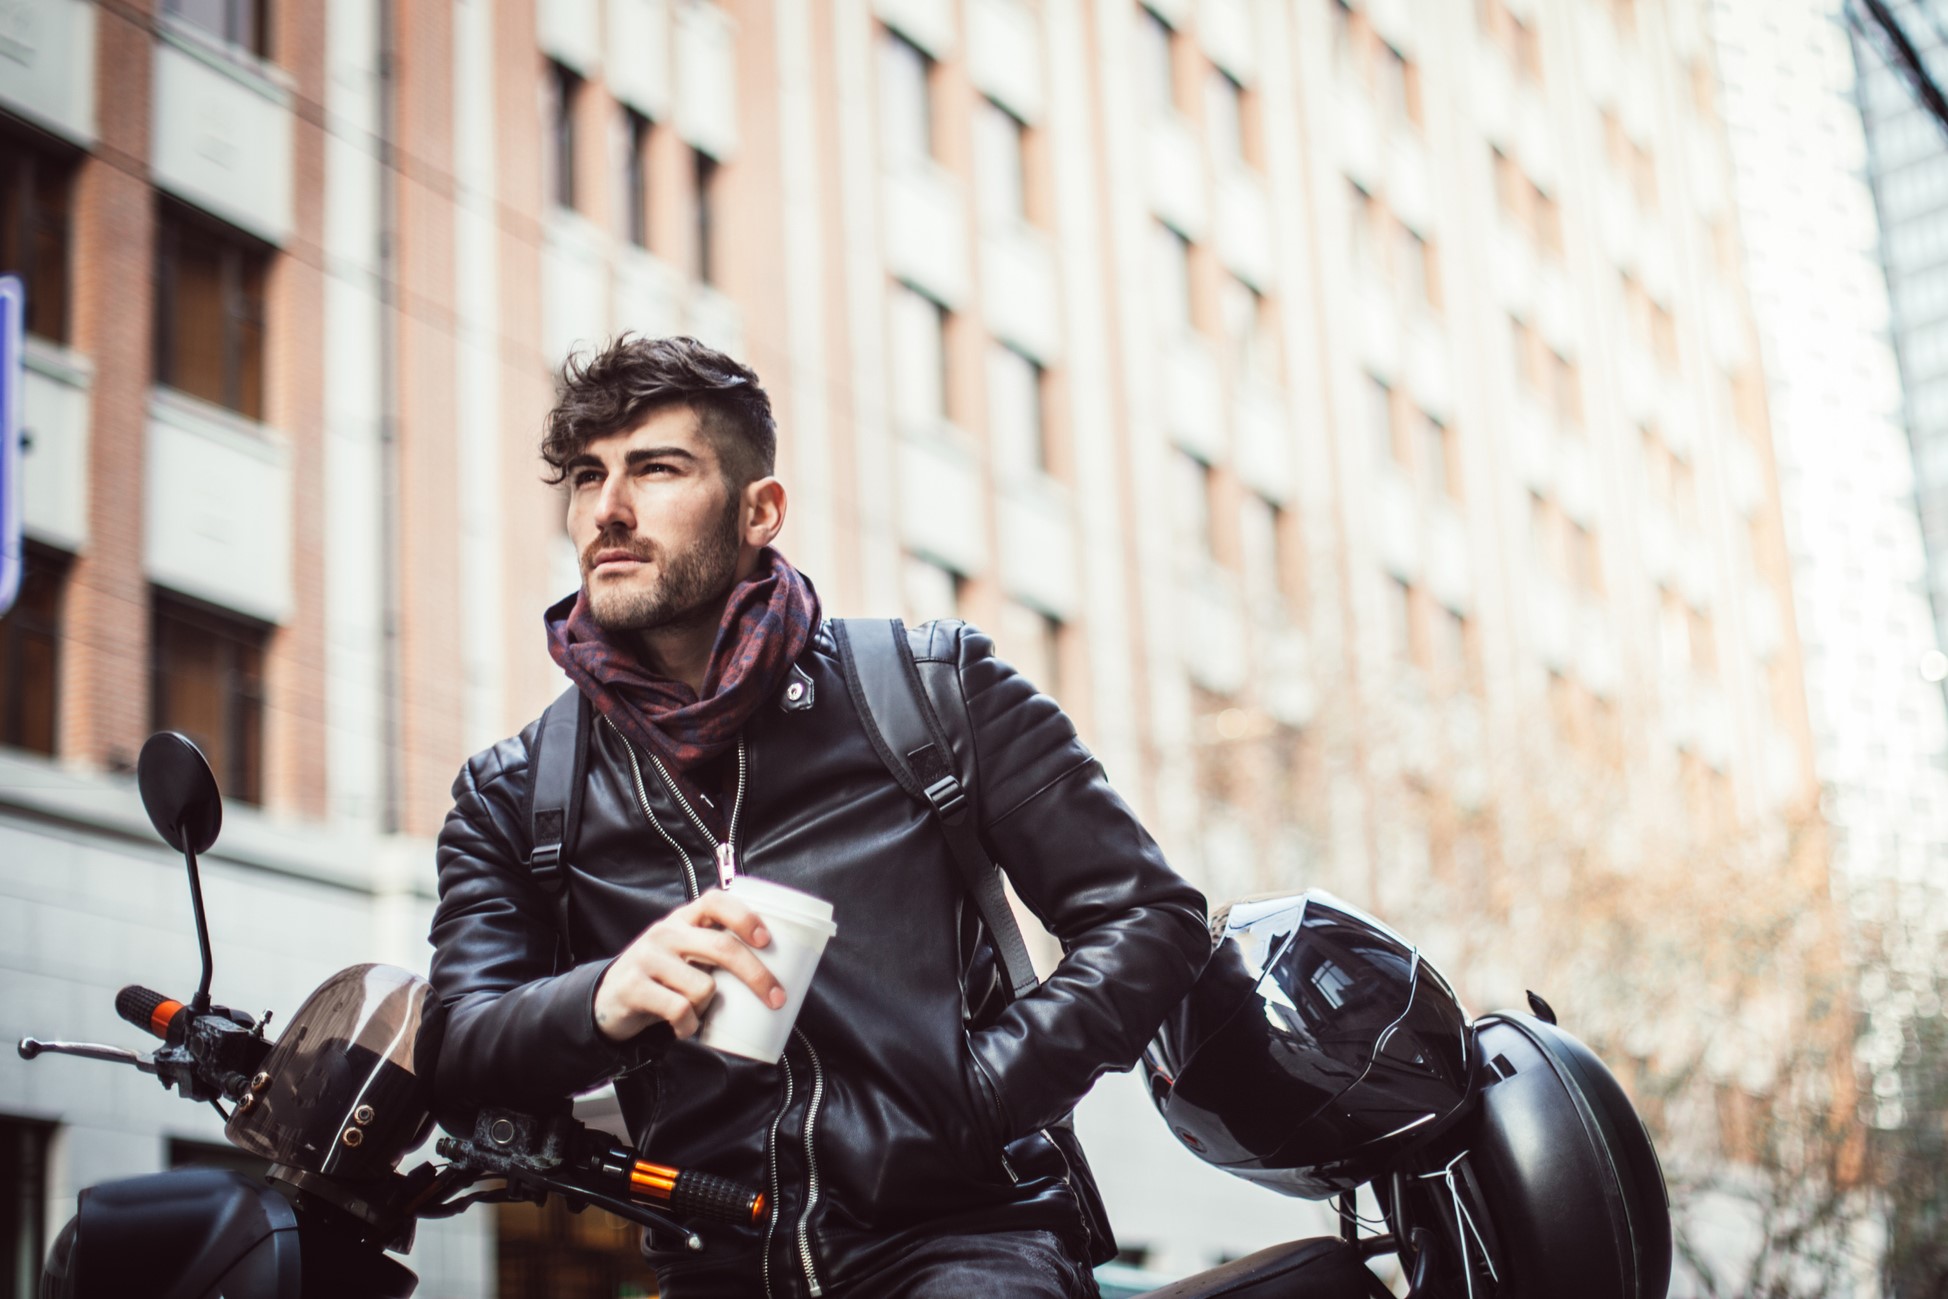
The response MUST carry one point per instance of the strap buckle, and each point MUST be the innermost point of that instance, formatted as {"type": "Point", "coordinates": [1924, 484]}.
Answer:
{"type": "Point", "coordinates": [544, 859]}
{"type": "Point", "coordinates": [948, 799]}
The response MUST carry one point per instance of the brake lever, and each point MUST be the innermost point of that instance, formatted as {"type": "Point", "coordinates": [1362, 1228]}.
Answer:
{"type": "Point", "coordinates": [29, 1047]}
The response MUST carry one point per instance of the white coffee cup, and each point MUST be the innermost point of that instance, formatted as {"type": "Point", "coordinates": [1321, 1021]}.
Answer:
{"type": "Point", "coordinates": [737, 1021]}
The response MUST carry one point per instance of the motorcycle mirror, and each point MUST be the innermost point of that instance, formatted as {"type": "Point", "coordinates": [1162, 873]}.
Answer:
{"type": "Point", "coordinates": [178, 792]}
{"type": "Point", "coordinates": [181, 797]}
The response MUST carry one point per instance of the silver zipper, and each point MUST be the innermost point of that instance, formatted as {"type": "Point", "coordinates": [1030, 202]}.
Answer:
{"type": "Point", "coordinates": [727, 850]}
{"type": "Point", "coordinates": [811, 1167]}
{"type": "Point", "coordinates": [642, 801]}
{"type": "Point", "coordinates": [771, 1226]}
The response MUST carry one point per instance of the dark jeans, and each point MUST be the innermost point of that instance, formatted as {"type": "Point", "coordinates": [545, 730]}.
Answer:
{"type": "Point", "coordinates": [1005, 1264]}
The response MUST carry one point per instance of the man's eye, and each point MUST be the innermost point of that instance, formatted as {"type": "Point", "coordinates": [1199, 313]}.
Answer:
{"type": "Point", "coordinates": [585, 477]}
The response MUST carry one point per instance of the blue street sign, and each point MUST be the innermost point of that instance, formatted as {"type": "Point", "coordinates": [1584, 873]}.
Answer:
{"type": "Point", "coordinates": [13, 304]}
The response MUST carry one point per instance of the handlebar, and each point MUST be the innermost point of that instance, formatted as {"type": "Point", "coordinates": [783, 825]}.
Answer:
{"type": "Point", "coordinates": [698, 1195]}
{"type": "Point", "coordinates": [147, 1009]}
{"type": "Point", "coordinates": [211, 1053]}
{"type": "Point", "coordinates": [559, 1154]}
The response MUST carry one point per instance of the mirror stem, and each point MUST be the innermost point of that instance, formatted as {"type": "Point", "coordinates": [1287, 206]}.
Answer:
{"type": "Point", "coordinates": [202, 1001]}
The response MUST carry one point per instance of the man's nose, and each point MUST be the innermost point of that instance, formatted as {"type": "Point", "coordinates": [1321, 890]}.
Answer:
{"type": "Point", "coordinates": [613, 508]}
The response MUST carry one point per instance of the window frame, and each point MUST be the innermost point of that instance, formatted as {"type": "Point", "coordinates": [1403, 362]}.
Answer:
{"type": "Point", "coordinates": [241, 259]}
{"type": "Point", "coordinates": [43, 566]}
{"type": "Point", "coordinates": [34, 157]}
{"type": "Point", "coordinates": [638, 131]}
{"type": "Point", "coordinates": [238, 760]}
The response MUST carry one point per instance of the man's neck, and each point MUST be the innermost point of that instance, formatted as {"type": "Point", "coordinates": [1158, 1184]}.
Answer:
{"type": "Point", "coordinates": [681, 650]}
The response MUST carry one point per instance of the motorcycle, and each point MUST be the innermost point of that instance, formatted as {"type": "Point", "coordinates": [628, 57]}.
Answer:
{"type": "Point", "coordinates": [1317, 1054]}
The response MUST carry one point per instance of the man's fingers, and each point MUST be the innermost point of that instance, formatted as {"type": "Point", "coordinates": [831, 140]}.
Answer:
{"type": "Point", "coordinates": [716, 947]}
{"type": "Point", "coordinates": [686, 980]}
{"type": "Point", "coordinates": [718, 908]}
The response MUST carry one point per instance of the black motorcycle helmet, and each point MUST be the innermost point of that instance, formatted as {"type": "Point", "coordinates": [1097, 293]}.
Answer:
{"type": "Point", "coordinates": [1548, 1184]}
{"type": "Point", "coordinates": [1316, 1046]}
{"type": "Point", "coordinates": [1318, 1052]}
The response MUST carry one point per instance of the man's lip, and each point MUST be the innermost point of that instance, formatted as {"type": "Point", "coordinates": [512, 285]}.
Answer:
{"type": "Point", "coordinates": [616, 557]}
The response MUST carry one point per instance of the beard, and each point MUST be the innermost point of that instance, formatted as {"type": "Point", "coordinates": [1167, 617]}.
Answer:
{"type": "Point", "coordinates": [690, 589]}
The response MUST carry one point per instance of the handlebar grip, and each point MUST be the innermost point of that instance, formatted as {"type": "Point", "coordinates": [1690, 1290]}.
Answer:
{"type": "Point", "coordinates": [705, 1195]}
{"type": "Point", "coordinates": [147, 1009]}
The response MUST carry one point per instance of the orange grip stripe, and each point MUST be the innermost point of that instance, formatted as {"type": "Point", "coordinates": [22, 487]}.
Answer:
{"type": "Point", "coordinates": [655, 1170]}
{"type": "Point", "coordinates": [757, 1209]}
{"type": "Point", "coordinates": [159, 1018]}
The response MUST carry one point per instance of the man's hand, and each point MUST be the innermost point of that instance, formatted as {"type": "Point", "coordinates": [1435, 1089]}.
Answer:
{"type": "Point", "coordinates": [665, 973]}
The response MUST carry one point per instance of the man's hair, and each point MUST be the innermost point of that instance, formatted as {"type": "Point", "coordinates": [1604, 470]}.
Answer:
{"type": "Point", "coordinates": [617, 388]}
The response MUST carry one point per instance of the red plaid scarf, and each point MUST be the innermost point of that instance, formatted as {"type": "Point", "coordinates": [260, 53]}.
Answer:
{"type": "Point", "coordinates": [768, 621]}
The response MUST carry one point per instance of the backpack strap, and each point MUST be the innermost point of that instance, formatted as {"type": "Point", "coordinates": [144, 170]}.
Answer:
{"type": "Point", "coordinates": [560, 766]}
{"type": "Point", "coordinates": [904, 726]}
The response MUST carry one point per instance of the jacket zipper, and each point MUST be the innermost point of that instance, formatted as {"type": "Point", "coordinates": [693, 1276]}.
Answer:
{"type": "Point", "coordinates": [727, 850]}
{"type": "Point", "coordinates": [642, 801]}
{"type": "Point", "coordinates": [771, 1226]}
{"type": "Point", "coordinates": [726, 871]}
{"type": "Point", "coordinates": [811, 1166]}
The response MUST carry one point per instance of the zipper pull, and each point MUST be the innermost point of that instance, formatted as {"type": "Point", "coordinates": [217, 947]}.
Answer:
{"type": "Point", "coordinates": [726, 863]}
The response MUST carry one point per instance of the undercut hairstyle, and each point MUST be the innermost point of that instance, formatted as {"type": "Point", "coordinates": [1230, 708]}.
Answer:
{"type": "Point", "coordinates": [614, 390]}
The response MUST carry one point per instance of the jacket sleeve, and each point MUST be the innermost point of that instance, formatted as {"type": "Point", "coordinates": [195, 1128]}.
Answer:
{"type": "Point", "coordinates": [517, 1032]}
{"type": "Point", "coordinates": [1134, 933]}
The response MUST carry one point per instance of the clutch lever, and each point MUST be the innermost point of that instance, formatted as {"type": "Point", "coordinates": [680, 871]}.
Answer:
{"type": "Point", "coordinates": [29, 1047]}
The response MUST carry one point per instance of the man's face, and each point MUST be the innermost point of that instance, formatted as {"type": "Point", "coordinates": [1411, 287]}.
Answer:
{"type": "Point", "coordinates": [656, 525]}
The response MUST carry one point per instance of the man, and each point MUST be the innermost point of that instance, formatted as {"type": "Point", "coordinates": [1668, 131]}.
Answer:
{"type": "Point", "coordinates": [908, 1140]}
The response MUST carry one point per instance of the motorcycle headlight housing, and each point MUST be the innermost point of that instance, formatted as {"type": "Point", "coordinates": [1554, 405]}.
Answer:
{"type": "Point", "coordinates": [346, 1090]}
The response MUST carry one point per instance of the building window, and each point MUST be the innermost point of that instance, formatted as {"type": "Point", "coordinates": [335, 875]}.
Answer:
{"type": "Point", "coordinates": [905, 101]}
{"type": "Point", "coordinates": [1547, 226]}
{"type": "Point", "coordinates": [210, 311]}
{"type": "Point", "coordinates": [707, 172]}
{"type": "Point", "coordinates": [1247, 331]}
{"type": "Point", "coordinates": [1261, 533]}
{"type": "Point", "coordinates": [36, 215]}
{"type": "Point", "coordinates": [30, 655]}
{"type": "Point", "coordinates": [208, 683]}
{"type": "Point", "coordinates": [1000, 166]}
{"type": "Point", "coordinates": [562, 88]}
{"type": "Point", "coordinates": [1585, 568]}
{"type": "Point", "coordinates": [1405, 636]}
{"type": "Point", "coordinates": [1452, 649]}
{"type": "Point", "coordinates": [1156, 62]}
{"type": "Point", "coordinates": [1565, 391]}
{"type": "Point", "coordinates": [1399, 88]}
{"type": "Point", "coordinates": [242, 23]}
{"type": "Point", "coordinates": [1170, 280]}
{"type": "Point", "coordinates": [1363, 218]}
{"type": "Point", "coordinates": [23, 1202]}
{"type": "Point", "coordinates": [1382, 429]}
{"type": "Point", "coordinates": [1033, 644]}
{"type": "Point", "coordinates": [1517, 39]}
{"type": "Point", "coordinates": [1433, 460]}
{"type": "Point", "coordinates": [933, 590]}
{"type": "Point", "coordinates": [635, 176]}
{"type": "Point", "coordinates": [1527, 348]}
{"type": "Point", "coordinates": [1411, 266]}
{"type": "Point", "coordinates": [1194, 484]}
{"type": "Point", "coordinates": [1015, 426]}
{"type": "Point", "coordinates": [1224, 119]}
{"type": "Point", "coordinates": [917, 338]}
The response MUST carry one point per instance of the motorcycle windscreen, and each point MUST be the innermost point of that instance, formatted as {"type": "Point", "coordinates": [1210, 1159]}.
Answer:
{"type": "Point", "coordinates": [1306, 1027]}
{"type": "Point", "coordinates": [340, 1093]}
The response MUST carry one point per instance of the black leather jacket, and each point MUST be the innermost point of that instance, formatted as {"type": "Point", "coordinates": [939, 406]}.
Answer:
{"type": "Point", "coordinates": [902, 1104]}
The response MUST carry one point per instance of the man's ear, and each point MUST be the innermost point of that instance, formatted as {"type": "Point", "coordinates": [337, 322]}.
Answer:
{"type": "Point", "coordinates": [763, 512]}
